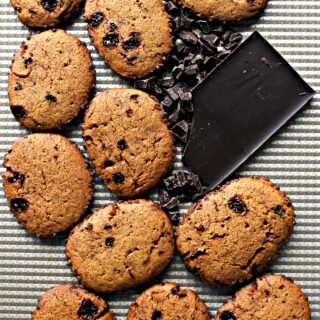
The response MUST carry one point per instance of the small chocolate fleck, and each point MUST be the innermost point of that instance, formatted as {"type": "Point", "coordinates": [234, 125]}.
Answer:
{"type": "Point", "coordinates": [17, 87]}
{"type": "Point", "coordinates": [51, 98]}
{"type": "Point", "coordinates": [16, 176]}
{"type": "Point", "coordinates": [176, 292]}
{"type": "Point", "coordinates": [279, 211]}
{"type": "Point", "coordinates": [122, 144]}
{"type": "Point", "coordinates": [110, 40]}
{"type": "Point", "coordinates": [118, 178]}
{"type": "Point", "coordinates": [227, 315]}
{"type": "Point", "coordinates": [18, 111]}
{"type": "Point", "coordinates": [157, 315]}
{"type": "Point", "coordinates": [108, 163]}
{"type": "Point", "coordinates": [134, 97]}
{"type": "Point", "coordinates": [28, 61]}
{"type": "Point", "coordinates": [19, 205]}
{"type": "Point", "coordinates": [49, 5]}
{"type": "Point", "coordinates": [112, 26]}
{"type": "Point", "coordinates": [109, 242]}
{"type": "Point", "coordinates": [237, 205]}
{"type": "Point", "coordinates": [129, 112]}
{"type": "Point", "coordinates": [96, 19]}
{"type": "Point", "coordinates": [87, 310]}
{"type": "Point", "coordinates": [133, 42]}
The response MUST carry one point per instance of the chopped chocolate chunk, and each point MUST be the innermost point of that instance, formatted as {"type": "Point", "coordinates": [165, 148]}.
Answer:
{"type": "Point", "coordinates": [49, 5]}
{"type": "Point", "coordinates": [174, 216]}
{"type": "Point", "coordinates": [17, 87]}
{"type": "Point", "coordinates": [112, 26]}
{"type": "Point", "coordinates": [211, 40]}
{"type": "Point", "coordinates": [110, 40]}
{"type": "Point", "coordinates": [19, 205]}
{"type": "Point", "coordinates": [173, 95]}
{"type": "Point", "coordinates": [178, 71]}
{"type": "Point", "coordinates": [118, 178]}
{"type": "Point", "coordinates": [145, 84]}
{"type": "Point", "coordinates": [167, 82]}
{"type": "Point", "coordinates": [109, 242]}
{"type": "Point", "coordinates": [88, 310]}
{"type": "Point", "coordinates": [133, 42]}
{"type": "Point", "coordinates": [235, 37]}
{"type": "Point", "coordinates": [163, 196]}
{"type": "Point", "coordinates": [166, 102]}
{"type": "Point", "coordinates": [181, 130]}
{"type": "Point", "coordinates": [96, 19]}
{"type": "Point", "coordinates": [16, 177]}
{"type": "Point", "coordinates": [188, 37]}
{"type": "Point", "coordinates": [172, 8]}
{"type": "Point", "coordinates": [51, 98]}
{"type": "Point", "coordinates": [122, 144]}
{"type": "Point", "coordinates": [227, 315]}
{"type": "Point", "coordinates": [230, 45]}
{"type": "Point", "coordinates": [28, 61]}
{"type": "Point", "coordinates": [171, 204]}
{"type": "Point", "coordinates": [18, 111]}
{"type": "Point", "coordinates": [279, 211]}
{"type": "Point", "coordinates": [157, 315]}
{"type": "Point", "coordinates": [203, 25]}
{"type": "Point", "coordinates": [191, 70]}
{"type": "Point", "coordinates": [237, 205]}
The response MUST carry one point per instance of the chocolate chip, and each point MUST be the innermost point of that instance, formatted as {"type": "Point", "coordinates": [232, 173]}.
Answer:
{"type": "Point", "coordinates": [112, 26]}
{"type": "Point", "coordinates": [133, 42]}
{"type": "Point", "coordinates": [227, 315]}
{"type": "Point", "coordinates": [49, 5]}
{"type": "Point", "coordinates": [118, 178]}
{"type": "Point", "coordinates": [237, 205]}
{"type": "Point", "coordinates": [134, 97]}
{"type": "Point", "coordinates": [17, 87]}
{"type": "Point", "coordinates": [28, 61]}
{"type": "Point", "coordinates": [110, 40]}
{"type": "Point", "coordinates": [16, 176]}
{"type": "Point", "coordinates": [96, 19]}
{"type": "Point", "coordinates": [108, 163]}
{"type": "Point", "coordinates": [176, 292]}
{"type": "Point", "coordinates": [18, 111]}
{"type": "Point", "coordinates": [51, 98]}
{"type": "Point", "coordinates": [88, 310]}
{"type": "Point", "coordinates": [19, 205]}
{"type": "Point", "coordinates": [122, 144]}
{"type": "Point", "coordinates": [279, 211]}
{"type": "Point", "coordinates": [109, 242]}
{"type": "Point", "coordinates": [157, 315]}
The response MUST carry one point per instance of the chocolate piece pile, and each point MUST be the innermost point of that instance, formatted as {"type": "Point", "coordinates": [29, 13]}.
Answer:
{"type": "Point", "coordinates": [199, 46]}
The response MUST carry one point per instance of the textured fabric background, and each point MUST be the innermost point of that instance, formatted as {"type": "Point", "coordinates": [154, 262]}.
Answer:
{"type": "Point", "coordinates": [29, 266]}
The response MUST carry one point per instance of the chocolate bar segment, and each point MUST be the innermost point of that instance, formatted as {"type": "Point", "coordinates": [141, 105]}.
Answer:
{"type": "Point", "coordinates": [240, 105]}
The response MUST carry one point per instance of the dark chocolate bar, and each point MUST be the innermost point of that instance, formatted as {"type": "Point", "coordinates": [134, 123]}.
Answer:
{"type": "Point", "coordinates": [240, 105]}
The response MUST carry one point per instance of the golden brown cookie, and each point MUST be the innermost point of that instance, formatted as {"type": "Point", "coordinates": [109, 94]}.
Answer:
{"type": "Point", "coordinates": [235, 231]}
{"type": "Point", "coordinates": [225, 10]}
{"type": "Point", "coordinates": [68, 302]}
{"type": "Point", "coordinates": [128, 141]}
{"type": "Point", "coordinates": [47, 183]}
{"type": "Point", "coordinates": [50, 80]}
{"type": "Point", "coordinates": [132, 36]}
{"type": "Point", "coordinates": [45, 13]}
{"type": "Point", "coordinates": [121, 246]}
{"type": "Point", "coordinates": [167, 301]}
{"type": "Point", "coordinates": [268, 298]}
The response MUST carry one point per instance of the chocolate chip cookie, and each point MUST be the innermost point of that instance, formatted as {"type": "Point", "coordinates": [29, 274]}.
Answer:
{"type": "Point", "coordinates": [132, 36]}
{"type": "Point", "coordinates": [235, 231]}
{"type": "Point", "coordinates": [50, 80]}
{"type": "Point", "coordinates": [47, 183]}
{"type": "Point", "coordinates": [68, 302]}
{"type": "Point", "coordinates": [226, 10]}
{"type": "Point", "coordinates": [121, 246]}
{"type": "Point", "coordinates": [128, 141]}
{"type": "Point", "coordinates": [268, 298]}
{"type": "Point", "coordinates": [45, 13]}
{"type": "Point", "coordinates": [167, 301]}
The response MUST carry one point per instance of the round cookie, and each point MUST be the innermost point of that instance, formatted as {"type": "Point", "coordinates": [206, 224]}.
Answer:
{"type": "Point", "coordinates": [267, 298]}
{"type": "Point", "coordinates": [121, 246]}
{"type": "Point", "coordinates": [45, 13]}
{"type": "Point", "coordinates": [50, 81]}
{"type": "Point", "coordinates": [167, 301]}
{"type": "Point", "coordinates": [235, 231]}
{"type": "Point", "coordinates": [225, 10]}
{"type": "Point", "coordinates": [47, 183]}
{"type": "Point", "coordinates": [68, 302]}
{"type": "Point", "coordinates": [128, 141]}
{"type": "Point", "coordinates": [133, 37]}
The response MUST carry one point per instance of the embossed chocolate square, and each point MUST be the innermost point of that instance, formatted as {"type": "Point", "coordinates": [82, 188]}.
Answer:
{"type": "Point", "coordinates": [239, 106]}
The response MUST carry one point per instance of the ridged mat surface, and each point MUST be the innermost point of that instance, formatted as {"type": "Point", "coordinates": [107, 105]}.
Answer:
{"type": "Point", "coordinates": [29, 266]}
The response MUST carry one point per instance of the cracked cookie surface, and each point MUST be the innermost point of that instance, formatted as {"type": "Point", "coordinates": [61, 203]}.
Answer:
{"type": "Point", "coordinates": [167, 301]}
{"type": "Point", "coordinates": [235, 231]}
{"type": "Point", "coordinates": [50, 80]}
{"type": "Point", "coordinates": [226, 10]}
{"type": "Point", "coordinates": [267, 298]}
{"type": "Point", "coordinates": [128, 141]}
{"type": "Point", "coordinates": [121, 246]}
{"type": "Point", "coordinates": [45, 13]}
{"type": "Point", "coordinates": [69, 302]}
{"type": "Point", "coordinates": [132, 36]}
{"type": "Point", "coordinates": [47, 183]}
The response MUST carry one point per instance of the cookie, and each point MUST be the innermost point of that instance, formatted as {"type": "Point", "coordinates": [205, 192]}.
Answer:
{"type": "Point", "coordinates": [225, 10]}
{"type": "Point", "coordinates": [121, 246]}
{"type": "Point", "coordinates": [167, 301]}
{"type": "Point", "coordinates": [45, 13]}
{"type": "Point", "coordinates": [50, 81]}
{"type": "Point", "coordinates": [128, 141]}
{"type": "Point", "coordinates": [68, 302]}
{"type": "Point", "coordinates": [268, 298]}
{"type": "Point", "coordinates": [133, 37]}
{"type": "Point", "coordinates": [47, 183]}
{"type": "Point", "coordinates": [234, 232]}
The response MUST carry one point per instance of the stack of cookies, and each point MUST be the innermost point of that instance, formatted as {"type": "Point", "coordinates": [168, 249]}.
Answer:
{"type": "Point", "coordinates": [226, 238]}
